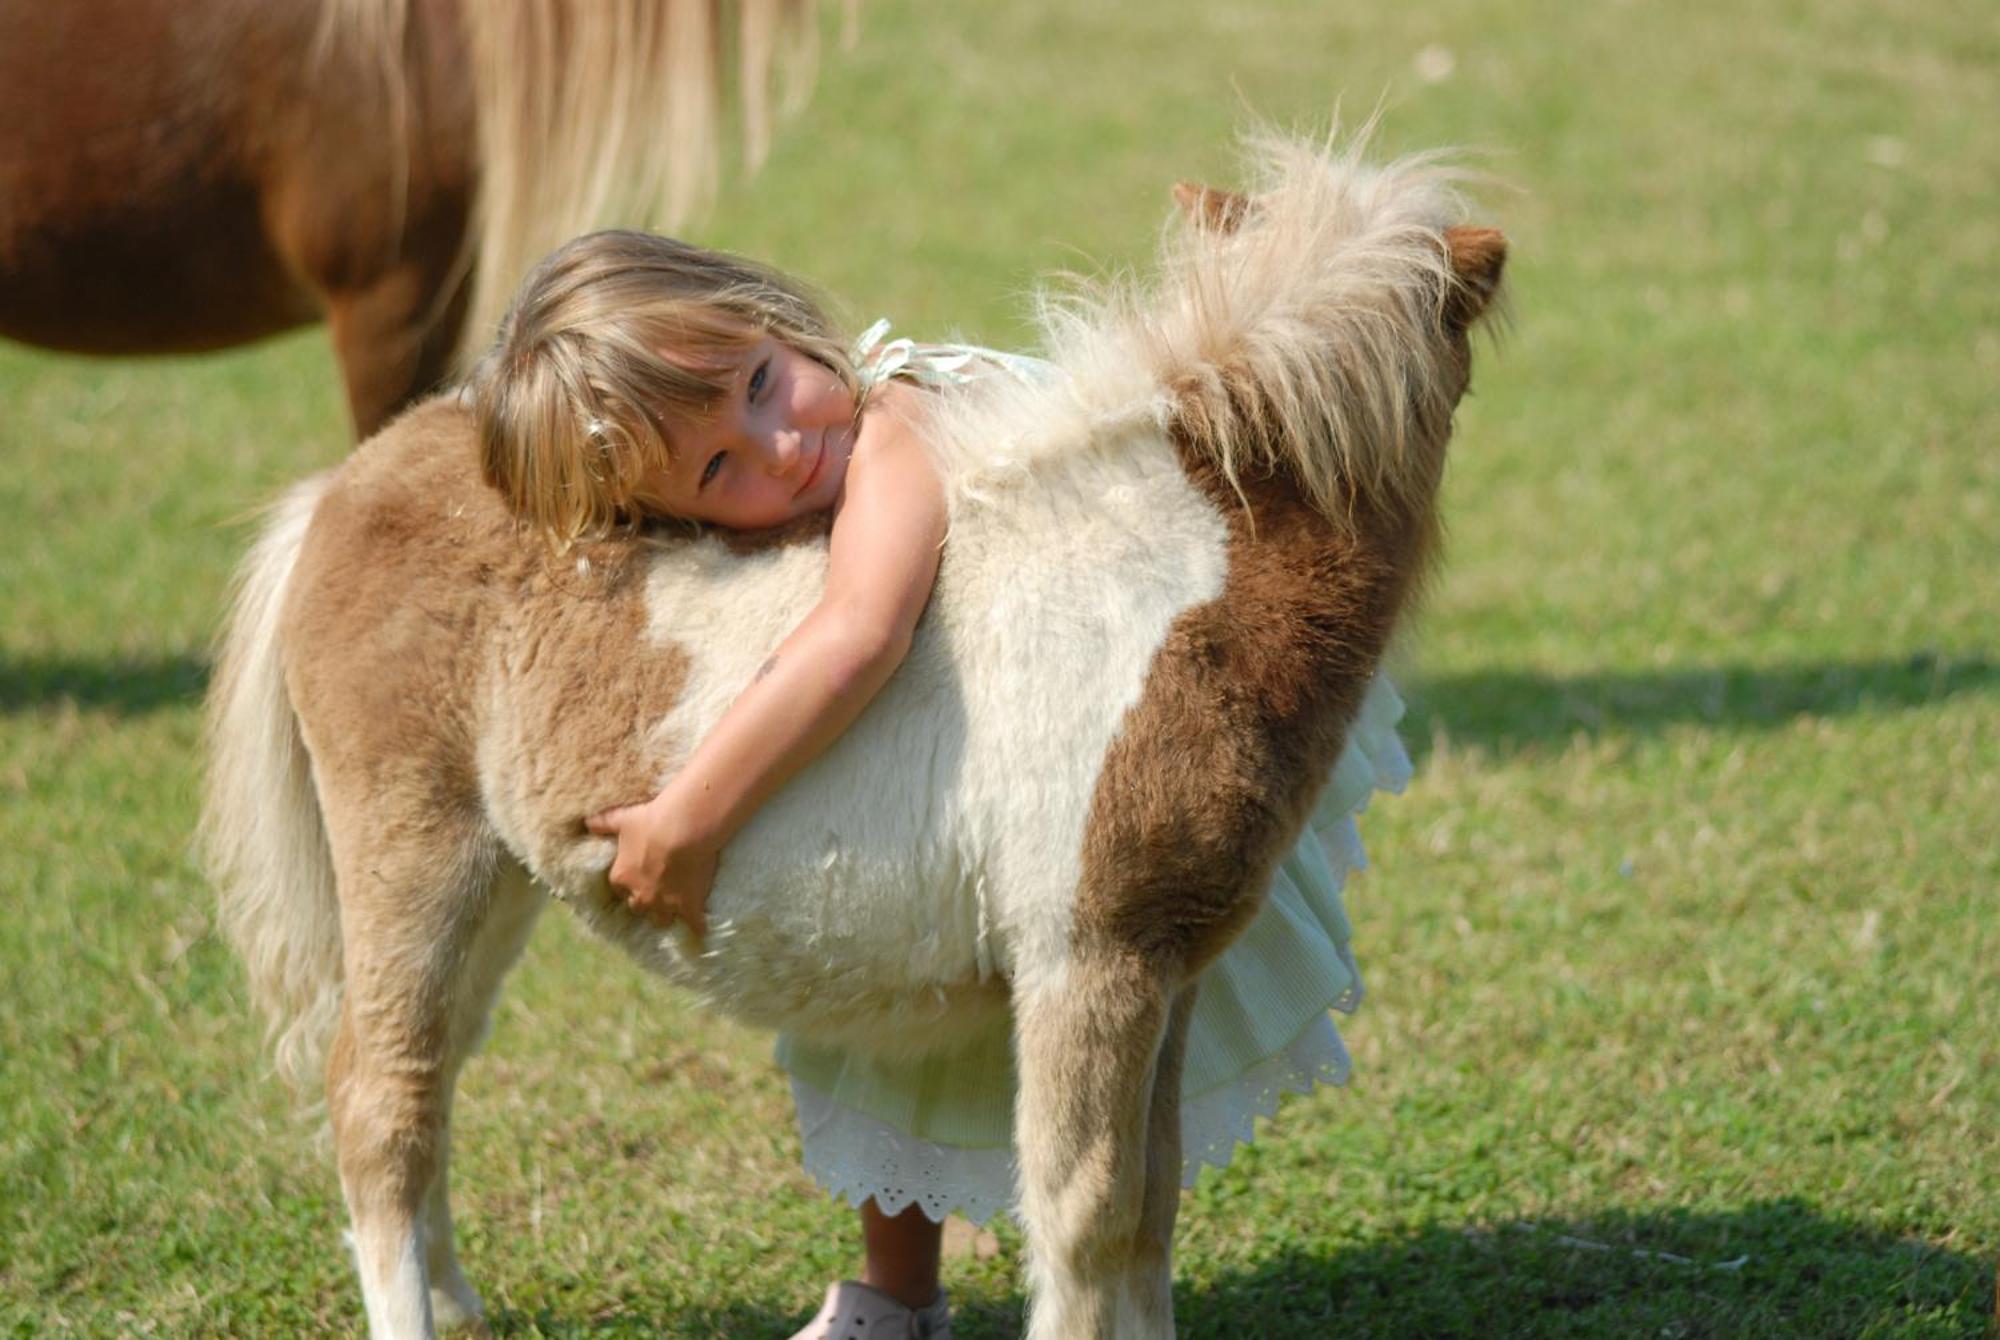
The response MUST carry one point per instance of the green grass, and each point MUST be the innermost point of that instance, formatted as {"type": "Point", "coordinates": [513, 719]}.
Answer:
{"type": "Point", "coordinates": [1685, 982]}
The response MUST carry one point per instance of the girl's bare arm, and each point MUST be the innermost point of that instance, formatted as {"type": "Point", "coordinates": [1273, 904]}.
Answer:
{"type": "Point", "coordinates": [884, 552]}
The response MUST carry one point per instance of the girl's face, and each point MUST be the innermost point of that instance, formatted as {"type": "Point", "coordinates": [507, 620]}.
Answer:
{"type": "Point", "coordinates": [775, 449]}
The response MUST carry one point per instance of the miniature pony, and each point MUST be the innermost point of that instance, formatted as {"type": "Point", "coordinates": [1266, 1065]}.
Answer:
{"type": "Point", "coordinates": [1170, 577]}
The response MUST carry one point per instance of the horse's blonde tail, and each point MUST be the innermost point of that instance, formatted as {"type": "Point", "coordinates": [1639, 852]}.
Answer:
{"type": "Point", "coordinates": [609, 114]}
{"type": "Point", "coordinates": [262, 840]}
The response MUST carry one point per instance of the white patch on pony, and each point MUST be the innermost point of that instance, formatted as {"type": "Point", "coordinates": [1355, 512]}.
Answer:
{"type": "Point", "coordinates": [393, 1288]}
{"type": "Point", "coordinates": [935, 849]}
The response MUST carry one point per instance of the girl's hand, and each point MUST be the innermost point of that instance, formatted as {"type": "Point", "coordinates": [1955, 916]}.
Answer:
{"type": "Point", "coordinates": [664, 871]}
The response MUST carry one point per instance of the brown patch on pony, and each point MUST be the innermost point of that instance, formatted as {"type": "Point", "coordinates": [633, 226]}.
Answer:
{"type": "Point", "coordinates": [1244, 713]}
{"type": "Point", "coordinates": [1209, 208]}
{"type": "Point", "coordinates": [379, 596]}
{"type": "Point", "coordinates": [1247, 705]}
{"type": "Point", "coordinates": [427, 606]}
{"type": "Point", "coordinates": [581, 680]}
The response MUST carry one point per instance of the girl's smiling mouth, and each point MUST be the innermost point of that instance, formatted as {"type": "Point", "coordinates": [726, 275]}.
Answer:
{"type": "Point", "coordinates": [818, 465]}
{"type": "Point", "coordinates": [834, 444]}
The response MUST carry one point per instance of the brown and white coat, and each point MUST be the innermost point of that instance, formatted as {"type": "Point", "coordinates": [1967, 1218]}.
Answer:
{"type": "Point", "coordinates": [1169, 580]}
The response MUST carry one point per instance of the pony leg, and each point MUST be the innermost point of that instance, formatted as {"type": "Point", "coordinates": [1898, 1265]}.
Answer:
{"type": "Point", "coordinates": [386, 1137]}
{"type": "Point", "coordinates": [455, 1304]}
{"type": "Point", "coordinates": [1149, 1286]}
{"type": "Point", "coordinates": [411, 912]}
{"type": "Point", "coordinates": [1088, 1051]}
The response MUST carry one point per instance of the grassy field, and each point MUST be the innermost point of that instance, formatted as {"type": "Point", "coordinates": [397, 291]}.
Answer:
{"type": "Point", "coordinates": [1684, 949]}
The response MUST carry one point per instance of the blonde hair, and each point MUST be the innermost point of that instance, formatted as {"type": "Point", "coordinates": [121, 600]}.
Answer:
{"type": "Point", "coordinates": [609, 335]}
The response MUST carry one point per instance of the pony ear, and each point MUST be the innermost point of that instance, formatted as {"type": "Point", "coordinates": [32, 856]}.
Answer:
{"type": "Point", "coordinates": [1478, 255]}
{"type": "Point", "coordinates": [1211, 210]}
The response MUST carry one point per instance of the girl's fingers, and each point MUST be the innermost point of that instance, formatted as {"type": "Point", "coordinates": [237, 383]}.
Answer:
{"type": "Point", "coordinates": [607, 823]}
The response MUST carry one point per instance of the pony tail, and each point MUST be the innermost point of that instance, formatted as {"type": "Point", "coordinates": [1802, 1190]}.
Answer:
{"type": "Point", "coordinates": [608, 114]}
{"type": "Point", "coordinates": [261, 840]}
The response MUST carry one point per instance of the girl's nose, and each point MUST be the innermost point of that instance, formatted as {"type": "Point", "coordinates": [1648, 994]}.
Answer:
{"type": "Point", "coordinates": [784, 452]}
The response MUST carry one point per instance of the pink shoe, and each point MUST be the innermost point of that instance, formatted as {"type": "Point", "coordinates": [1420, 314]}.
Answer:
{"type": "Point", "coordinates": [856, 1311]}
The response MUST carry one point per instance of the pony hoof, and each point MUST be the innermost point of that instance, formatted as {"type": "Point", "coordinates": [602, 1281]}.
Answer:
{"type": "Point", "coordinates": [459, 1314]}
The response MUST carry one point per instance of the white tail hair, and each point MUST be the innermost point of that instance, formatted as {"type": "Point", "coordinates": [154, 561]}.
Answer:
{"type": "Point", "coordinates": [262, 841]}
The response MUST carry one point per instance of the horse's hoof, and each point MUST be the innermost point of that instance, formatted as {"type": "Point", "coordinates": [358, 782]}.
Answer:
{"type": "Point", "coordinates": [459, 1314]}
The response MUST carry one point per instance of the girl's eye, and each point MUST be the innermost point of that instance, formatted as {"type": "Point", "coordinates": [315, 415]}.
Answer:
{"type": "Point", "coordinates": [759, 377]}
{"type": "Point", "coordinates": [712, 469]}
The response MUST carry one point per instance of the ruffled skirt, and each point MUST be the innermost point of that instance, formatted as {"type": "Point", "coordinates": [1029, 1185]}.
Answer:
{"type": "Point", "coordinates": [938, 1133]}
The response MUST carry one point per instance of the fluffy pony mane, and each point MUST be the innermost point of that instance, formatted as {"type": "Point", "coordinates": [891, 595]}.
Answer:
{"type": "Point", "coordinates": [1310, 335]}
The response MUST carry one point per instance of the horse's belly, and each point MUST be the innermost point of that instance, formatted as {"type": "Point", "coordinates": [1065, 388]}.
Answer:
{"type": "Point", "coordinates": [811, 930]}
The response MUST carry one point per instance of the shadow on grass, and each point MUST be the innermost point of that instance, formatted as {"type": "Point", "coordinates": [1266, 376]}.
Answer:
{"type": "Point", "coordinates": [1773, 1269]}
{"type": "Point", "coordinates": [1507, 711]}
{"type": "Point", "coordinates": [1499, 710]}
{"type": "Point", "coordinates": [126, 685]}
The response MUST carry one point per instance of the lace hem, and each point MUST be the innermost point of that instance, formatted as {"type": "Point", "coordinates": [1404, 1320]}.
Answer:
{"type": "Point", "coordinates": [855, 1157]}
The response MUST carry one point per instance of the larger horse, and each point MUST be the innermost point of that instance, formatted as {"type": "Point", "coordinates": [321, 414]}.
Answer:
{"type": "Point", "coordinates": [190, 174]}
{"type": "Point", "coordinates": [1170, 576]}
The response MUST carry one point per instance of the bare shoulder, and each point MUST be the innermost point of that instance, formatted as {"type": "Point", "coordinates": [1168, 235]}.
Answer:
{"type": "Point", "coordinates": [892, 467]}
{"type": "Point", "coordinates": [896, 413]}
{"type": "Point", "coordinates": [890, 526]}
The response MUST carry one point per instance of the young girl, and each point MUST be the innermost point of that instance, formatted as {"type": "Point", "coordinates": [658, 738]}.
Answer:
{"type": "Point", "coordinates": [638, 378]}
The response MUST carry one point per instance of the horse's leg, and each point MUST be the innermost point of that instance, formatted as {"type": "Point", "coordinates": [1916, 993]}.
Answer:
{"type": "Point", "coordinates": [413, 906]}
{"type": "Point", "coordinates": [455, 1304]}
{"type": "Point", "coordinates": [514, 909]}
{"type": "Point", "coordinates": [394, 338]}
{"type": "Point", "coordinates": [1150, 1279]}
{"type": "Point", "coordinates": [1088, 1045]}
